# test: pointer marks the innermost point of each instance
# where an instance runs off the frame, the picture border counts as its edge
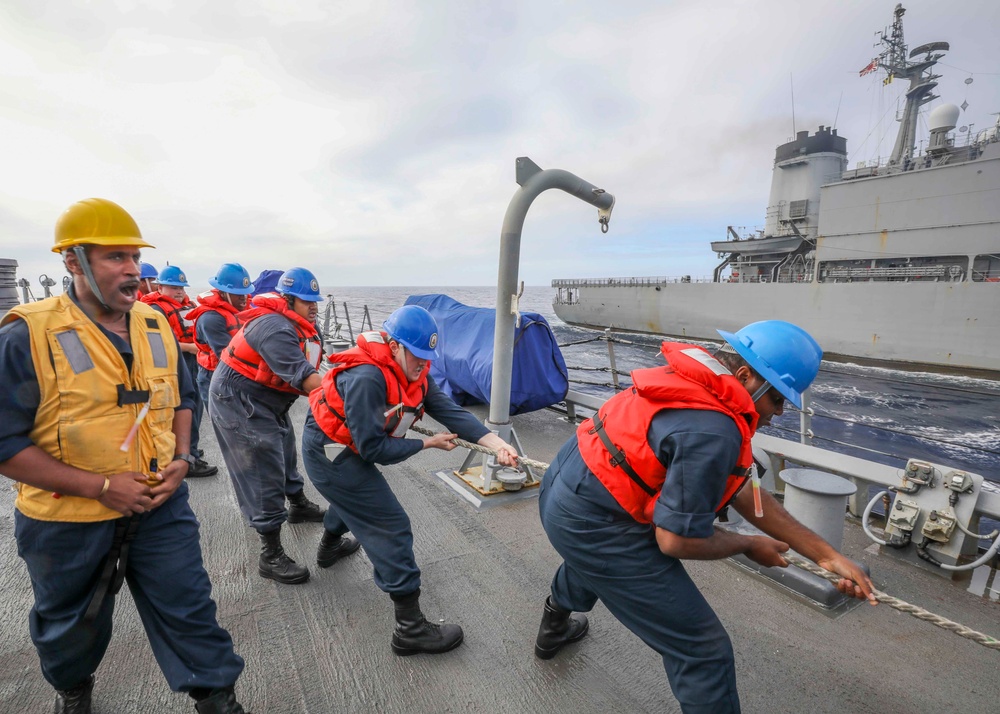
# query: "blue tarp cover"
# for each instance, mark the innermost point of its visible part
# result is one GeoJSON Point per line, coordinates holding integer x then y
{"type": "Point", "coordinates": [464, 369]}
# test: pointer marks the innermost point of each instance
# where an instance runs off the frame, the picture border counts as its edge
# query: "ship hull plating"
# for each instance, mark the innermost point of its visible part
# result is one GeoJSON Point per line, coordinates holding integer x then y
{"type": "Point", "coordinates": [950, 326]}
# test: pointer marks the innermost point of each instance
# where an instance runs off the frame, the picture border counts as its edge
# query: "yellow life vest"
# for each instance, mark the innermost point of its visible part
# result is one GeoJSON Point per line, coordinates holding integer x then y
{"type": "Point", "coordinates": [89, 400]}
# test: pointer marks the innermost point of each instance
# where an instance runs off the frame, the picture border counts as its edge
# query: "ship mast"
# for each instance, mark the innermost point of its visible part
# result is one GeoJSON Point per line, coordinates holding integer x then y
{"type": "Point", "coordinates": [897, 65]}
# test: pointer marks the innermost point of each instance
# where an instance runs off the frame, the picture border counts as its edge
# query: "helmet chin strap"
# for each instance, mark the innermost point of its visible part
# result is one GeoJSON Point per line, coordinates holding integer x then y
{"type": "Point", "coordinates": [761, 391]}
{"type": "Point", "coordinates": [81, 256]}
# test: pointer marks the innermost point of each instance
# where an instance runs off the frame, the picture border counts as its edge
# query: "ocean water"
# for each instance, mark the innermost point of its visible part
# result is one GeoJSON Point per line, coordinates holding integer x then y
{"type": "Point", "coordinates": [883, 415]}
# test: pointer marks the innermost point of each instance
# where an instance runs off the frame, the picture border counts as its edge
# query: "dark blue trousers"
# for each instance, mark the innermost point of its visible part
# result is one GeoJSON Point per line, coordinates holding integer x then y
{"type": "Point", "coordinates": [199, 405]}
{"type": "Point", "coordinates": [203, 382]}
{"type": "Point", "coordinates": [609, 556]}
{"type": "Point", "coordinates": [362, 502]}
{"type": "Point", "coordinates": [258, 446]}
{"type": "Point", "coordinates": [168, 582]}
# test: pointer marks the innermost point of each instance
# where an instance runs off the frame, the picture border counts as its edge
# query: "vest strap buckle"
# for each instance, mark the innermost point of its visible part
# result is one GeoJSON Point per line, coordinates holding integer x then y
{"type": "Point", "coordinates": [618, 458]}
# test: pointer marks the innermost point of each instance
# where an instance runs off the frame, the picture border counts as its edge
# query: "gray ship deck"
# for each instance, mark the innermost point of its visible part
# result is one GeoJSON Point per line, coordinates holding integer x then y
{"type": "Point", "coordinates": [324, 646]}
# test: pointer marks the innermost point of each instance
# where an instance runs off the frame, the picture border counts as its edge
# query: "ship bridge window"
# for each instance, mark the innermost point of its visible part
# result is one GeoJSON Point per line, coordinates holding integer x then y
{"type": "Point", "coordinates": [932, 268]}
{"type": "Point", "coordinates": [986, 268]}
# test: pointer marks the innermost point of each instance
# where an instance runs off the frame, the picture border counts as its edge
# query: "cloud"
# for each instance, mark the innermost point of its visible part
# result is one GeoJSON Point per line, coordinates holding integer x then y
{"type": "Point", "coordinates": [374, 143]}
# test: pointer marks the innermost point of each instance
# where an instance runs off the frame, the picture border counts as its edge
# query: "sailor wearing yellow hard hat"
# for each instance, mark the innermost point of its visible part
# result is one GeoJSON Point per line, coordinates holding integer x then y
{"type": "Point", "coordinates": [97, 409]}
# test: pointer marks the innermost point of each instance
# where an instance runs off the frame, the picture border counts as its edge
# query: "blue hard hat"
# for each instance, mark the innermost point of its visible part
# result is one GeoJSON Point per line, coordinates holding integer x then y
{"type": "Point", "coordinates": [232, 278]}
{"type": "Point", "coordinates": [147, 271]}
{"type": "Point", "coordinates": [414, 328]}
{"type": "Point", "coordinates": [782, 353]}
{"type": "Point", "coordinates": [301, 283]}
{"type": "Point", "coordinates": [172, 275]}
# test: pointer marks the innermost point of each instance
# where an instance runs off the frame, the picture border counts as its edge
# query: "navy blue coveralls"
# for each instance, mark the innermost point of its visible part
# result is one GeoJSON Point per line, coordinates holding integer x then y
{"type": "Point", "coordinates": [251, 422]}
{"type": "Point", "coordinates": [361, 500]}
{"type": "Point", "coordinates": [610, 556]}
{"type": "Point", "coordinates": [164, 571]}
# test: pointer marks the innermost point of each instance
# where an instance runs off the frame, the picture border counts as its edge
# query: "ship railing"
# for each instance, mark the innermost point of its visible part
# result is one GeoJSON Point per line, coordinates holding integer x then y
{"type": "Point", "coordinates": [985, 276]}
{"type": "Point", "coordinates": [332, 328]}
{"type": "Point", "coordinates": [626, 282]}
{"type": "Point", "coordinates": [570, 283]}
{"type": "Point", "coordinates": [736, 234]}
{"type": "Point", "coordinates": [795, 278]}
{"type": "Point", "coordinates": [863, 473]}
{"type": "Point", "coordinates": [784, 277]}
{"type": "Point", "coordinates": [908, 271]}
{"type": "Point", "coordinates": [956, 140]}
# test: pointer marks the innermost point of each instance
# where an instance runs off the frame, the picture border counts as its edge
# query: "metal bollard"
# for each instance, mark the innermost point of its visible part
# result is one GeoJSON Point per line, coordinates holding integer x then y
{"type": "Point", "coordinates": [818, 500]}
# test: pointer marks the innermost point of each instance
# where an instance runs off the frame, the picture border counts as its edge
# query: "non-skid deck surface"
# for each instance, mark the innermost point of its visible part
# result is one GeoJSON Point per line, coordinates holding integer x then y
{"type": "Point", "coordinates": [324, 646]}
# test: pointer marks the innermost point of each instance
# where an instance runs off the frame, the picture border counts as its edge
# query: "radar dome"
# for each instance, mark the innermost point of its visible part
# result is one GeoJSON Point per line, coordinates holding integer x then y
{"type": "Point", "coordinates": [943, 118]}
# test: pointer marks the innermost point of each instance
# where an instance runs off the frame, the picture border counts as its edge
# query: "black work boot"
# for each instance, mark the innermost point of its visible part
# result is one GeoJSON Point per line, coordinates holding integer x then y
{"type": "Point", "coordinates": [332, 548]}
{"type": "Point", "coordinates": [275, 564]}
{"type": "Point", "coordinates": [201, 469]}
{"type": "Point", "coordinates": [75, 700]}
{"type": "Point", "coordinates": [559, 627]}
{"type": "Point", "coordinates": [414, 634]}
{"type": "Point", "coordinates": [302, 510]}
{"type": "Point", "coordinates": [221, 701]}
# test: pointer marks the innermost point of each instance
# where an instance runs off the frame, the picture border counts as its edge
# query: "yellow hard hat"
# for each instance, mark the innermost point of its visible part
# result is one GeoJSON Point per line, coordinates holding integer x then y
{"type": "Point", "coordinates": [96, 221]}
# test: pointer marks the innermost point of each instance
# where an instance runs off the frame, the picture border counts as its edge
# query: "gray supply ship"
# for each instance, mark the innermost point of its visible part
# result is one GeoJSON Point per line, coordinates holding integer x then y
{"type": "Point", "coordinates": [891, 262]}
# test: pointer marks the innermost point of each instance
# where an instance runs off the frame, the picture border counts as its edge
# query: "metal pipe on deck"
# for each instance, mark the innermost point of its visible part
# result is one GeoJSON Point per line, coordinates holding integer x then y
{"type": "Point", "coordinates": [533, 181]}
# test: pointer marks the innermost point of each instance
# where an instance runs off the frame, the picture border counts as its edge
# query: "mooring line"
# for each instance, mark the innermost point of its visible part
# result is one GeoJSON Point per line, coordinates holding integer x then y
{"type": "Point", "coordinates": [540, 465]}
{"type": "Point", "coordinates": [893, 602]}
{"type": "Point", "coordinates": [903, 606]}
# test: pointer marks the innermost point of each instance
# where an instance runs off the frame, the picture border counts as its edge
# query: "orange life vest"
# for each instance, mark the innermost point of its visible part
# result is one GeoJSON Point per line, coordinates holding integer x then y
{"type": "Point", "coordinates": [244, 359]}
{"type": "Point", "coordinates": [176, 312]}
{"type": "Point", "coordinates": [629, 468]}
{"type": "Point", "coordinates": [212, 301]}
{"type": "Point", "coordinates": [404, 399]}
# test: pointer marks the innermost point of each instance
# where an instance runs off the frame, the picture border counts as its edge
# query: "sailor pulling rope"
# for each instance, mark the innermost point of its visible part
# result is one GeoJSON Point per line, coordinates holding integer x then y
{"type": "Point", "coordinates": [895, 603]}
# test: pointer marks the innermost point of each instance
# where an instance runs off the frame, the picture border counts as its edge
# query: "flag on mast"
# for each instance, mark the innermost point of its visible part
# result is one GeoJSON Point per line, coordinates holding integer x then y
{"type": "Point", "coordinates": [869, 68]}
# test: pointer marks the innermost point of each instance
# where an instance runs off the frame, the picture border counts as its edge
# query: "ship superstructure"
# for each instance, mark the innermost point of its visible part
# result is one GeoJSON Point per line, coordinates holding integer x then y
{"type": "Point", "coordinates": [893, 261]}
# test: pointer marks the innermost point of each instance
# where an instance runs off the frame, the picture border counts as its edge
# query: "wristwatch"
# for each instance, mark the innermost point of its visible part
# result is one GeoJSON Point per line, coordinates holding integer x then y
{"type": "Point", "coordinates": [186, 457]}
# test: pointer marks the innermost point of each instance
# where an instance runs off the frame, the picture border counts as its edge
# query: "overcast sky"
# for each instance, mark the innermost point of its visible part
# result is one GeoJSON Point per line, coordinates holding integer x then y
{"type": "Point", "coordinates": [374, 142]}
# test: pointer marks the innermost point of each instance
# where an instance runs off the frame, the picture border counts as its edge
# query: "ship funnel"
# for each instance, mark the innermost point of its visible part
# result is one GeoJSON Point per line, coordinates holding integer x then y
{"type": "Point", "coordinates": [942, 120]}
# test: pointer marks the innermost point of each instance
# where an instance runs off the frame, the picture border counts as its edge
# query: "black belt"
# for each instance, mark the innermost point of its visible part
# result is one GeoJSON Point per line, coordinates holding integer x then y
{"type": "Point", "coordinates": [617, 459]}
{"type": "Point", "coordinates": [113, 574]}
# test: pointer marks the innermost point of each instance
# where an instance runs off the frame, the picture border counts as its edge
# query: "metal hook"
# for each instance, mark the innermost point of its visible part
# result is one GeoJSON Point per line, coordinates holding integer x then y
{"type": "Point", "coordinates": [604, 214]}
